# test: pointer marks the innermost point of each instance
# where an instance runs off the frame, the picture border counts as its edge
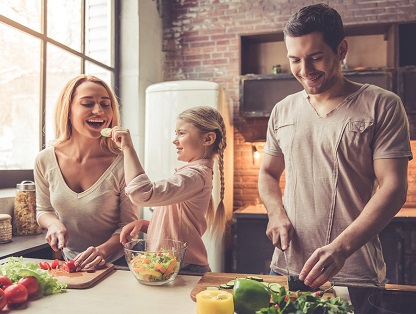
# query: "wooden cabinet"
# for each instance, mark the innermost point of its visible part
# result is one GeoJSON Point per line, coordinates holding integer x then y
{"type": "Point", "coordinates": [252, 250]}
{"type": "Point", "coordinates": [409, 268]}
{"type": "Point", "coordinates": [406, 83]}
{"type": "Point", "coordinates": [392, 243]}
{"type": "Point", "coordinates": [260, 52]}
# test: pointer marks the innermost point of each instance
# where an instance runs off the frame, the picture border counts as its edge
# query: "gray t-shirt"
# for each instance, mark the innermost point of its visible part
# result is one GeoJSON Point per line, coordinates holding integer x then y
{"type": "Point", "coordinates": [90, 217]}
{"type": "Point", "coordinates": [329, 171]}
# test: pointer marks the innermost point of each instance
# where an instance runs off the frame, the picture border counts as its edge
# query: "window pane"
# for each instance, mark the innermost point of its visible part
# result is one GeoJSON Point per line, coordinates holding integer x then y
{"type": "Point", "coordinates": [98, 31]}
{"type": "Point", "coordinates": [20, 97]}
{"type": "Point", "coordinates": [61, 67]}
{"type": "Point", "coordinates": [93, 69]}
{"type": "Point", "coordinates": [25, 12]}
{"type": "Point", "coordinates": [64, 22]}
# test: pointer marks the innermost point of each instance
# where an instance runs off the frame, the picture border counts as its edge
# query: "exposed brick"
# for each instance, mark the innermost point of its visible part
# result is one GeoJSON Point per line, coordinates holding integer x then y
{"type": "Point", "coordinates": [223, 42]}
{"type": "Point", "coordinates": [190, 39]}
{"type": "Point", "coordinates": [200, 44]}
{"type": "Point", "coordinates": [198, 57]}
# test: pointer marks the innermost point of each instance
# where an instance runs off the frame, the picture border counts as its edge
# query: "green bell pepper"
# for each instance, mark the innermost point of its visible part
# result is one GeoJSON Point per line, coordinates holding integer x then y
{"type": "Point", "coordinates": [250, 296]}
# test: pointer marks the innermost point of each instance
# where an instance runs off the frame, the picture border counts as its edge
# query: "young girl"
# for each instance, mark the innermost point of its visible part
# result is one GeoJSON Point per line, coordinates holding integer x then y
{"type": "Point", "coordinates": [185, 208]}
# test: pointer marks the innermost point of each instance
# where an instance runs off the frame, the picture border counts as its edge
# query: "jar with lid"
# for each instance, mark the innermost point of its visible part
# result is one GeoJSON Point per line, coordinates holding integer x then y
{"type": "Point", "coordinates": [25, 209]}
{"type": "Point", "coordinates": [276, 69]}
{"type": "Point", "coordinates": [5, 228]}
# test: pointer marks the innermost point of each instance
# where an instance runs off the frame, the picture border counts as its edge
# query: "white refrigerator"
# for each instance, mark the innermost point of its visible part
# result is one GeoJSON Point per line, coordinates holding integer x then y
{"type": "Point", "coordinates": [164, 101]}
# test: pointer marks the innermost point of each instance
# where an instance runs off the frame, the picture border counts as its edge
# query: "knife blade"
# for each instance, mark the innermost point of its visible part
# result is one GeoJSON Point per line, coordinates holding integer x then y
{"type": "Point", "coordinates": [63, 255]}
{"type": "Point", "coordinates": [287, 265]}
{"type": "Point", "coordinates": [357, 285]}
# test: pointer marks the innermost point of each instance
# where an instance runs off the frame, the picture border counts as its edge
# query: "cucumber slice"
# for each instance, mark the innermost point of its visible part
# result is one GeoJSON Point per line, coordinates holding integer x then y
{"type": "Point", "coordinates": [255, 278]}
{"type": "Point", "coordinates": [106, 132]}
{"type": "Point", "coordinates": [231, 283]}
{"type": "Point", "coordinates": [225, 286]}
{"type": "Point", "coordinates": [275, 287]}
{"type": "Point", "coordinates": [212, 288]}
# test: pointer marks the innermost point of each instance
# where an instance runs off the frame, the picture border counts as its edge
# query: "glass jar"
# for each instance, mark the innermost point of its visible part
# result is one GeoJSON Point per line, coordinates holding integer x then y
{"type": "Point", "coordinates": [5, 228]}
{"type": "Point", "coordinates": [276, 69]}
{"type": "Point", "coordinates": [25, 209]}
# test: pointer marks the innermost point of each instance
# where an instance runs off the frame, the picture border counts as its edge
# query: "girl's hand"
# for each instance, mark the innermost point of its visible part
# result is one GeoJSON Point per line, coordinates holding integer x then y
{"type": "Point", "coordinates": [90, 258]}
{"type": "Point", "coordinates": [121, 137]}
{"type": "Point", "coordinates": [57, 235]}
{"type": "Point", "coordinates": [131, 230]}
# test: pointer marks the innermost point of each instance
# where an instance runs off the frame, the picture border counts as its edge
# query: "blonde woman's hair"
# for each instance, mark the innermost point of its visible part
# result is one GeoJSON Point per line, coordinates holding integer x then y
{"type": "Point", "coordinates": [63, 126]}
{"type": "Point", "coordinates": [208, 119]}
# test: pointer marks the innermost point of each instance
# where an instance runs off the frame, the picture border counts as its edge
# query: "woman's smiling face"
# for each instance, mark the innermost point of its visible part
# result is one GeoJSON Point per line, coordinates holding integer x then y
{"type": "Point", "coordinates": [90, 109]}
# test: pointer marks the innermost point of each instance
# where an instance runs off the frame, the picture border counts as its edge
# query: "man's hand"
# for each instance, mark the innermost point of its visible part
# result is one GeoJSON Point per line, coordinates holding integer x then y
{"type": "Point", "coordinates": [323, 264]}
{"type": "Point", "coordinates": [279, 230]}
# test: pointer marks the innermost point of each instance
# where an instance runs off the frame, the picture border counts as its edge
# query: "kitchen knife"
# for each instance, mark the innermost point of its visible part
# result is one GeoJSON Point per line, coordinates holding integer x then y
{"type": "Point", "coordinates": [357, 285]}
{"type": "Point", "coordinates": [287, 265]}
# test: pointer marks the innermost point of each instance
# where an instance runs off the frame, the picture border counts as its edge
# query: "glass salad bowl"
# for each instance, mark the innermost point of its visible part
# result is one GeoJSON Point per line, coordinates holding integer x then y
{"type": "Point", "coordinates": [156, 264]}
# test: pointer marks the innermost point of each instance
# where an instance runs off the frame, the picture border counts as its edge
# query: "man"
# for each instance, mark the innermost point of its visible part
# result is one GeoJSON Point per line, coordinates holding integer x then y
{"type": "Point", "coordinates": [344, 148]}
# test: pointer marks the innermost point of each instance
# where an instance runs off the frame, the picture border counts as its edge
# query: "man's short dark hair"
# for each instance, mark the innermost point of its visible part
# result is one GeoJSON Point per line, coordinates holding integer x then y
{"type": "Point", "coordinates": [317, 18]}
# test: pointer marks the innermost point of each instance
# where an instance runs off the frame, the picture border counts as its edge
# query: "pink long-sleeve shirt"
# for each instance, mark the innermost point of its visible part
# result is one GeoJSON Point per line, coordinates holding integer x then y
{"type": "Point", "coordinates": [182, 201]}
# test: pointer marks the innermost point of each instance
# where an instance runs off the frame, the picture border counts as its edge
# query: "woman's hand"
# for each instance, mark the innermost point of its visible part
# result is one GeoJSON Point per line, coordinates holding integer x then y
{"type": "Point", "coordinates": [56, 235]}
{"type": "Point", "coordinates": [131, 230]}
{"type": "Point", "coordinates": [90, 258]}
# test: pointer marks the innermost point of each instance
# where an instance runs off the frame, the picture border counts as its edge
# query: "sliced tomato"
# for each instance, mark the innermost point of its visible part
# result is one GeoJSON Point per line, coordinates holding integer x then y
{"type": "Point", "coordinates": [45, 265]}
{"type": "Point", "coordinates": [56, 264]}
{"type": "Point", "coordinates": [69, 266]}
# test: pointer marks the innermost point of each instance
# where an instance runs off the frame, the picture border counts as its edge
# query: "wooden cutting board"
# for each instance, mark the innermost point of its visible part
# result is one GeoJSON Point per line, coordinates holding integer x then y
{"type": "Point", "coordinates": [215, 279]}
{"type": "Point", "coordinates": [82, 279]}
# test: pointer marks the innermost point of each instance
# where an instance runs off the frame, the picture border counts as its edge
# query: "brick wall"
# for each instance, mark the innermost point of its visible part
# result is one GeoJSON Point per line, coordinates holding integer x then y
{"type": "Point", "coordinates": [201, 42]}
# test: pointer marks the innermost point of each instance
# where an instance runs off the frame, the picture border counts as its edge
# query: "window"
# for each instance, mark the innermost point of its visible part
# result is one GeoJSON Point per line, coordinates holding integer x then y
{"type": "Point", "coordinates": [43, 44]}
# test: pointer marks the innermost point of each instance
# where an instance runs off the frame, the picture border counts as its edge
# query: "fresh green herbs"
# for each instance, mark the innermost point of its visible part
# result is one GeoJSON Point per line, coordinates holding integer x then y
{"type": "Point", "coordinates": [286, 302]}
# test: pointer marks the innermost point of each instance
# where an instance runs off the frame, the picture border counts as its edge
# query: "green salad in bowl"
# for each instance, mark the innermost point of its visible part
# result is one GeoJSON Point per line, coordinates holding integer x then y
{"type": "Point", "coordinates": [154, 264]}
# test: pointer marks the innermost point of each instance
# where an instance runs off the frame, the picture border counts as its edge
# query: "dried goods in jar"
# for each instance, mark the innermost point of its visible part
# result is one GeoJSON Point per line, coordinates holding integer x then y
{"type": "Point", "coordinates": [25, 209]}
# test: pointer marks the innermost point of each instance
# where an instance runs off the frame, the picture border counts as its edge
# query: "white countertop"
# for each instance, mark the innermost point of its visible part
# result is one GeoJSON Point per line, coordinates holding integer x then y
{"type": "Point", "coordinates": [120, 292]}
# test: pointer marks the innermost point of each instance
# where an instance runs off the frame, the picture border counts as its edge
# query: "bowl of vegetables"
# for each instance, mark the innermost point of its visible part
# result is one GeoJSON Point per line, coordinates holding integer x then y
{"type": "Point", "coordinates": [155, 263]}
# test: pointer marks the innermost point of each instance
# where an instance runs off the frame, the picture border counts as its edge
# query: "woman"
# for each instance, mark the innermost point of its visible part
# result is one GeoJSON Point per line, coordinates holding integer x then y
{"type": "Point", "coordinates": [80, 179]}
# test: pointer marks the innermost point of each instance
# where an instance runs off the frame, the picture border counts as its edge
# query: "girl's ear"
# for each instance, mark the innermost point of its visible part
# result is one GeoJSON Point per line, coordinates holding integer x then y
{"type": "Point", "coordinates": [209, 138]}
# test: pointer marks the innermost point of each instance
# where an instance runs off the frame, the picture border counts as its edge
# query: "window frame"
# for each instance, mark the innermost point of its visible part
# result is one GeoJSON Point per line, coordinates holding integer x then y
{"type": "Point", "coordinates": [9, 178]}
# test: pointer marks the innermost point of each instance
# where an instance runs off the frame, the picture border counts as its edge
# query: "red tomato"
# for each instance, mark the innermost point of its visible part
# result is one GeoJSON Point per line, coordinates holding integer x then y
{"type": "Point", "coordinates": [69, 266]}
{"type": "Point", "coordinates": [3, 300]}
{"type": "Point", "coordinates": [31, 284]}
{"type": "Point", "coordinates": [16, 294]}
{"type": "Point", "coordinates": [45, 266]}
{"type": "Point", "coordinates": [55, 264]}
{"type": "Point", "coordinates": [4, 282]}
